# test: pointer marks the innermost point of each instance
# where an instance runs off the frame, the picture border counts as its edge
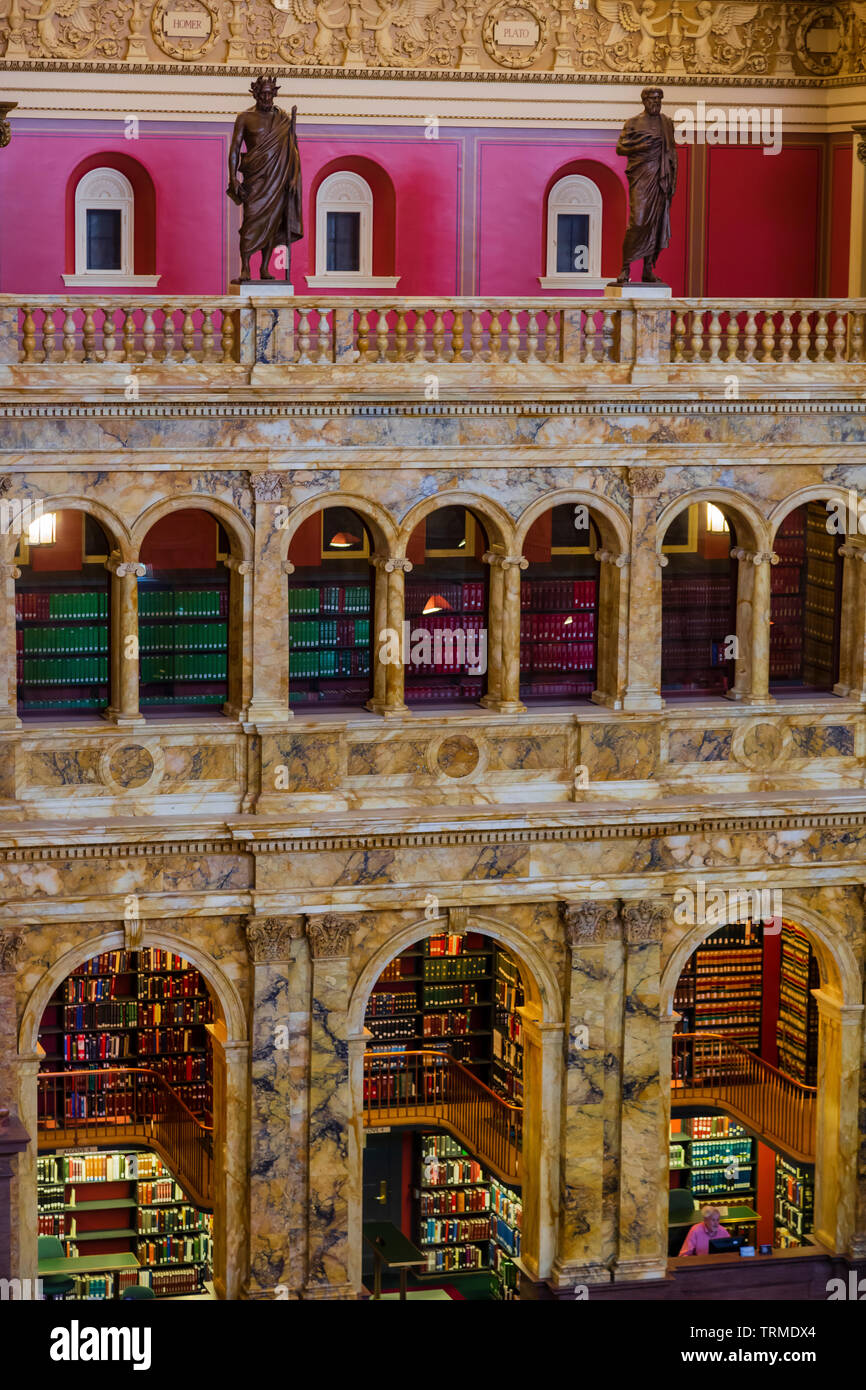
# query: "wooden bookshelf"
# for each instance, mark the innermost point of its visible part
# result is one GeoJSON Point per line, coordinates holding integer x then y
{"type": "Point", "coordinates": [797, 1027]}
{"type": "Point", "coordinates": [558, 636]}
{"type": "Point", "coordinates": [804, 601]}
{"type": "Point", "coordinates": [110, 1203]}
{"type": "Point", "coordinates": [183, 640]}
{"type": "Point", "coordinates": [507, 1064]}
{"type": "Point", "coordinates": [794, 1203]}
{"type": "Point", "coordinates": [61, 638]}
{"type": "Point", "coordinates": [717, 1159]}
{"type": "Point", "coordinates": [467, 1220]}
{"type": "Point", "coordinates": [728, 989]}
{"type": "Point", "coordinates": [330, 638]}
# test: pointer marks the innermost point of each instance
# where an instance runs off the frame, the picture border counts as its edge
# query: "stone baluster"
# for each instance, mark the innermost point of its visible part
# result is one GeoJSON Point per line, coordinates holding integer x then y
{"type": "Point", "coordinates": [552, 349]}
{"type": "Point", "coordinates": [457, 336]}
{"type": "Point", "coordinates": [855, 347]}
{"type": "Point", "coordinates": [644, 601]}
{"type": "Point", "coordinates": [714, 337]}
{"type": "Point", "coordinates": [495, 336]}
{"type": "Point", "coordinates": [388, 635]}
{"type": "Point", "coordinates": [840, 336]}
{"type": "Point", "coordinates": [513, 338]}
{"type": "Point", "coordinates": [123, 640]}
{"type": "Point", "coordinates": [752, 665]}
{"type": "Point", "coordinates": [109, 334]}
{"type": "Point", "coordinates": [207, 336]}
{"type": "Point", "coordinates": [804, 336]}
{"type": "Point", "coordinates": [697, 338]}
{"type": "Point", "coordinates": [591, 1093]}
{"type": "Point", "coordinates": [280, 979]}
{"type": "Point", "coordinates": [438, 336]}
{"type": "Point", "coordinates": [589, 337]}
{"type": "Point", "coordinates": [188, 335]}
{"type": "Point", "coordinates": [852, 645]}
{"type": "Point", "coordinates": [785, 337]}
{"type": "Point", "coordinates": [401, 334]}
{"type": "Point", "coordinates": [363, 334]}
{"type": "Point", "coordinates": [88, 334]}
{"type": "Point", "coordinates": [503, 683]}
{"type": "Point", "coordinates": [129, 334]}
{"type": "Point", "coordinates": [28, 334]}
{"type": "Point", "coordinates": [148, 336]}
{"type": "Point", "coordinates": [9, 572]}
{"type": "Point", "coordinates": [382, 335]}
{"type": "Point", "coordinates": [532, 336]}
{"type": "Point", "coordinates": [611, 621]}
{"type": "Point", "coordinates": [240, 617]}
{"type": "Point", "coordinates": [68, 333]}
{"type": "Point", "coordinates": [644, 1111]}
{"type": "Point", "coordinates": [821, 337]}
{"type": "Point", "coordinates": [679, 336]}
{"type": "Point", "coordinates": [419, 345]}
{"type": "Point", "coordinates": [227, 335]}
{"type": "Point", "coordinates": [750, 335]}
{"type": "Point", "coordinates": [304, 338]}
{"type": "Point", "coordinates": [168, 335]}
{"type": "Point", "coordinates": [330, 938]}
{"type": "Point", "coordinates": [476, 335]}
{"type": "Point", "coordinates": [732, 336]}
{"type": "Point", "coordinates": [768, 338]}
{"type": "Point", "coordinates": [270, 608]}
{"type": "Point", "coordinates": [49, 334]}
{"type": "Point", "coordinates": [323, 335]}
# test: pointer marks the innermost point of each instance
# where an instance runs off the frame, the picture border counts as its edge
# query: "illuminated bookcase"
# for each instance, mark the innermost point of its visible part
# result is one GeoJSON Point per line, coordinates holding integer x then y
{"type": "Point", "coordinates": [183, 641]}
{"type": "Point", "coordinates": [467, 1219]}
{"type": "Point", "coordinates": [559, 607]}
{"type": "Point", "coordinates": [507, 1065]}
{"type": "Point", "coordinates": [804, 600]}
{"type": "Point", "coordinates": [331, 612]}
{"type": "Point", "coordinates": [699, 600]}
{"type": "Point", "coordinates": [797, 1027]}
{"type": "Point", "coordinates": [117, 1201]}
{"type": "Point", "coordinates": [794, 1203]}
{"type": "Point", "coordinates": [446, 609]}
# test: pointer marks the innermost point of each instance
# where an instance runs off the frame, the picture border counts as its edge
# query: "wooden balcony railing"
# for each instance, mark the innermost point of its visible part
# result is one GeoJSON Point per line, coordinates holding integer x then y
{"type": "Point", "coordinates": [429, 1086]}
{"type": "Point", "coordinates": [127, 1104]}
{"type": "Point", "coordinates": [198, 340]}
{"type": "Point", "coordinates": [709, 1067]}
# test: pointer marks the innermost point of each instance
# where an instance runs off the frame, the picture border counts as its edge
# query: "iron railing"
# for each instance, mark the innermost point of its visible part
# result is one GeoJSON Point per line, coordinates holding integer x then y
{"type": "Point", "coordinates": [405, 1087]}
{"type": "Point", "coordinates": [133, 1103]}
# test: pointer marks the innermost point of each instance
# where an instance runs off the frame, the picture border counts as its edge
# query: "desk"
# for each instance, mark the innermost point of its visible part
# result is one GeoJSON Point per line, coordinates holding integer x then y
{"type": "Point", "coordinates": [87, 1264]}
{"type": "Point", "coordinates": [392, 1248]}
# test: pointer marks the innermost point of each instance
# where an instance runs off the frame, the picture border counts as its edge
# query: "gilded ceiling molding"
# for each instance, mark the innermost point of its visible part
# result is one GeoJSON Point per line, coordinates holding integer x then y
{"type": "Point", "coordinates": [590, 923]}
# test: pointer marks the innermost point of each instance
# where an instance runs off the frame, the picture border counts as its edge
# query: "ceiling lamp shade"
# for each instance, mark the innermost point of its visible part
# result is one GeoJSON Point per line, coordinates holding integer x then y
{"type": "Point", "coordinates": [435, 604]}
{"type": "Point", "coordinates": [344, 540]}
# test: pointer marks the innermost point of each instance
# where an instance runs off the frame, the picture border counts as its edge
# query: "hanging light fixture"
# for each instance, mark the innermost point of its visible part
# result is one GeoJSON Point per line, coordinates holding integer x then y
{"type": "Point", "coordinates": [435, 604]}
{"type": "Point", "coordinates": [43, 529]}
{"type": "Point", "coordinates": [715, 519]}
{"type": "Point", "coordinates": [343, 540]}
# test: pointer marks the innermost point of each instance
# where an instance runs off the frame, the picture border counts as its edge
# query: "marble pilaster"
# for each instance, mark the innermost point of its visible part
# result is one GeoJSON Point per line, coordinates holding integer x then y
{"type": "Point", "coordinates": [389, 609]}
{"type": "Point", "coordinates": [495, 603]}
{"type": "Point", "coordinates": [270, 608]}
{"type": "Point", "coordinates": [542, 1084]}
{"type": "Point", "coordinates": [123, 706]}
{"type": "Point", "coordinates": [644, 595]}
{"type": "Point", "coordinates": [643, 1214]}
{"type": "Point", "coordinates": [840, 1211]}
{"type": "Point", "coordinates": [329, 1263]}
{"type": "Point", "coordinates": [231, 1165]}
{"type": "Point", "coordinates": [857, 243]}
{"type": "Point", "coordinates": [590, 1092]}
{"type": "Point", "coordinates": [278, 1061]}
{"type": "Point", "coordinates": [8, 663]}
{"type": "Point", "coordinates": [505, 639]}
{"type": "Point", "coordinates": [10, 947]}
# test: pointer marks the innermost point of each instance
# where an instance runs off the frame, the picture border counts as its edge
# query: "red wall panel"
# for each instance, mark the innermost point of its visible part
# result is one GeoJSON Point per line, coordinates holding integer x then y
{"type": "Point", "coordinates": [184, 540]}
{"type": "Point", "coordinates": [762, 221]}
{"type": "Point", "coordinates": [840, 219]}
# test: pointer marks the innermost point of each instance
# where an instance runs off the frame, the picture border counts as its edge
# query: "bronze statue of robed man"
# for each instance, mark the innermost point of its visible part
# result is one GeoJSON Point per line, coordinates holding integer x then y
{"type": "Point", "coordinates": [647, 141]}
{"type": "Point", "coordinates": [270, 193]}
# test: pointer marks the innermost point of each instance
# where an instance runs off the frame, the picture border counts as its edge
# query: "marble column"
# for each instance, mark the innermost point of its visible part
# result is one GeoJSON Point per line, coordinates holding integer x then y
{"type": "Point", "coordinates": [389, 610]}
{"type": "Point", "coordinates": [10, 946]}
{"type": "Point", "coordinates": [8, 659]}
{"type": "Point", "coordinates": [123, 641]}
{"type": "Point", "coordinates": [331, 1193]}
{"type": "Point", "coordinates": [590, 1094]}
{"type": "Point", "coordinates": [279, 1037]}
{"type": "Point", "coordinates": [240, 673]}
{"type": "Point", "coordinates": [495, 602]}
{"type": "Point", "coordinates": [840, 1211]}
{"type": "Point", "coordinates": [644, 1130]}
{"type": "Point", "coordinates": [230, 1161]}
{"type": "Point", "coordinates": [752, 669]}
{"type": "Point", "coordinates": [25, 1180]}
{"type": "Point", "coordinates": [612, 619]}
{"type": "Point", "coordinates": [270, 608]}
{"type": "Point", "coordinates": [542, 1088]}
{"type": "Point", "coordinates": [852, 646]}
{"type": "Point", "coordinates": [643, 689]}
{"type": "Point", "coordinates": [857, 244]}
{"type": "Point", "coordinates": [507, 642]}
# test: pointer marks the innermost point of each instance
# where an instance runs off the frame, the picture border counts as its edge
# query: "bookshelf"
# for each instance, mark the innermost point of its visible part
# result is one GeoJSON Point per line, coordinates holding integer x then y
{"type": "Point", "coordinates": [102, 1202]}
{"type": "Point", "coordinates": [804, 600]}
{"type": "Point", "coordinates": [728, 990]}
{"type": "Point", "coordinates": [507, 1063]}
{"type": "Point", "coordinates": [698, 613]}
{"type": "Point", "coordinates": [716, 1158]}
{"type": "Point", "coordinates": [436, 671]}
{"type": "Point", "coordinates": [61, 641]}
{"type": "Point", "coordinates": [143, 1008]}
{"type": "Point", "coordinates": [330, 629]}
{"type": "Point", "coordinates": [557, 638]}
{"type": "Point", "coordinates": [797, 1027]}
{"type": "Point", "coordinates": [794, 1203]}
{"type": "Point", "coordinates": [467, 1219]}
{"type": "Point", "coordinates": [183, 640]}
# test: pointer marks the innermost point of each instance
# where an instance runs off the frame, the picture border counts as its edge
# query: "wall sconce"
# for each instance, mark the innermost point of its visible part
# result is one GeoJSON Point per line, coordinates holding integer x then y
{"type": "Point", "coordinates": [435, 604]}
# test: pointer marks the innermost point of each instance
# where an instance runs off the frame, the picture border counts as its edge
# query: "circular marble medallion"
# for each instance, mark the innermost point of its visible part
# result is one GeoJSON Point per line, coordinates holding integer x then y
{"type": "Point", "coordinates": [458, 756]}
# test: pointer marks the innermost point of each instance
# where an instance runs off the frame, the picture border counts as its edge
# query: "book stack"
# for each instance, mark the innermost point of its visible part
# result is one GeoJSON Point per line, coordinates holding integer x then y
{"type": "Point", "coordinates": [794, 1201]}
{"type": "Point", "coordinates": [183, 654]}
{"type": "Point", "coordinates": [557, 637]}
{"type": "Point", "coordinates": [797, 1026]}
{"type": "Point", "coordinates": [330, 660]}
{"type": "Point", "coordinates": [62, 646]}
{"type": "Point", "coordinates": [820, 615]}
{"type": "Point", "coordinates": [507, 1067]}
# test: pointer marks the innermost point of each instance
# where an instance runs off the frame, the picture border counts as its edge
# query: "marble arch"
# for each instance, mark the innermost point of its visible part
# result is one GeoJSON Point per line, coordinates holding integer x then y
{"type": "Point", "coordinates": [118, 534]}
{"type": "Point", "coordinates": [755, 534]}
{"type": "Point", "coordinates": [498, 524]}
{"type": "Point", "coordinates": [380, 521]}
{"type": "Point", "coordinates": [238, 529]}
{"type": "Point", "coordinates": [612, 522]}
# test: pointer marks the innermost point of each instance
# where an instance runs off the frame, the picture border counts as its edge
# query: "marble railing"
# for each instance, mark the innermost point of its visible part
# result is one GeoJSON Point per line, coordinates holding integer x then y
{"type": "Point", "coordinates": [172, 338]}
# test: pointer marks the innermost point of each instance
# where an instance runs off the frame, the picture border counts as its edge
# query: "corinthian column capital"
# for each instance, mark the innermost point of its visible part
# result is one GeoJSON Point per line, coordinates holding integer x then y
{"type": "Point", "coordinates": [270, 939]}
{"type": "Point", "coordinates": [10, 944]}
{"type": "Point", "coordinates": [330, 936]}
{"type": "Point", "coordinates": [588, 923]}
{"type": "Point", "coordinates": [644, 921]}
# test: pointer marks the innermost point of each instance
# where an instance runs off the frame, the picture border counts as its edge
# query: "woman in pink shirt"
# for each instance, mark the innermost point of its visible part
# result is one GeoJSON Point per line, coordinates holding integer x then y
{"type": "Point", "coordinates": [697, 1242]}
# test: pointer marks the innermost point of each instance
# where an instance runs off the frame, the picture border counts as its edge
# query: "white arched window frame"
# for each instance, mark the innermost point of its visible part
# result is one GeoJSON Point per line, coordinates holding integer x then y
{"type": "Point", "coordinates": [574, 195]}
{"type": "Point", "coordinates": [344, 191]}
{"type": "Point", "coordinates": [102, 190]}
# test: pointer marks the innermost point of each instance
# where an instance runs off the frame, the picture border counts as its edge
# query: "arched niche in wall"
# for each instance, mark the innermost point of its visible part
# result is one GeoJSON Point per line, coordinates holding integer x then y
{"type": "Point", "coordinates": [806, 599]}
{"type": "Point", "coordinates": [447, 593]}
{"type": "Point", "coordinates": [110, 224]}
{"type": "Point", "coordinates": [583, 223]}
{"type": "Point", "coordinates": [353, 217]}
{"type": "Point", "coordinates": [699, 602]}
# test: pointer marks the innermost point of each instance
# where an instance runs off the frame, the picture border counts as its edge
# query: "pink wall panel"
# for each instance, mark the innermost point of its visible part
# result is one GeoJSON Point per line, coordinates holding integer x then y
{"type": "Point", "coordinates": [762, 221]}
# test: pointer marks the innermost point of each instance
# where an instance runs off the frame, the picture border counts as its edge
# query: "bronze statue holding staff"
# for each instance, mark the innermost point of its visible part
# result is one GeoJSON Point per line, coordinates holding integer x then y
{"type": "Point", "coordinates": [647, 141]}
{"type": "Point", "coordinates": [270, 193]}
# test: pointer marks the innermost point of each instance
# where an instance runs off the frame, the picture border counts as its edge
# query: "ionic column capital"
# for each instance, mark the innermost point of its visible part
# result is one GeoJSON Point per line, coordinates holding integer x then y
{"type": "Point", "coordinates": [505, 561]}
{"type": "Point", "coordinates": [287, 567]}
{"type": "Point", "coordinates": [392, 564]}
{"type": "Point", "coordinates": [754, 557]}
{"type": "Point", "coordinates": [125, 569]}
{"type": "Point", "coordinates": [644, 921]}
{"type": "Point", "coordinates": [589, 923]}
{"type": "Point", "coordinates": [853, 552]}
{"type": "Point", "coordinates": [330, 936]}
{"type": "Point", "coordinates": [661, 560]}
{"type": "Point", "coordinates": [609, 557]}
{"type": "Point", "coordinates": [9, 571]}
{"type": "Point", "coordinates": [231, 562]}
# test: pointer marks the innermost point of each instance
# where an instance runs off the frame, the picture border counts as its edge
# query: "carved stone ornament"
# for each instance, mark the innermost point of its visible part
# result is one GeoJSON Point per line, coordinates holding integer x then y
{"type": "Point", "coordinates": [644, 921]}
{"type": "Point", "coordinates": [754, 557]}
{"type": "Point", "coordinates": [861, 149]}
{"type": "Point", "coordinates": [267, 487]}
{"type": "Point", "coordinates": [185, 29]}
{"type": "Point", "coordinates": [243, 567]}
{"type": "Point", "coordinates": [504, 562]}
{"type": "Point", "coordinates": [330, 936]}
{"type": "Point", "coordinates": [458, 921]}
{"type": "Point", "coordinates": [514, 34]}
{"type": "Point", "coordinates": [610, 557]}
{"type": "Point", "coordinates": [645, 481]}
{"type": "Point", "coordinates": [125, 569]}
{"type": "Point", "coordinates": [589, 923]}
{"type": "Point", "coordinates": [270, 938]}
{"type": "Point", "coordinates": [392, 564]}
{"type": "Point", "coordinates": [5, 484]}
{"type": "Point", "coordinates": [10, 945]}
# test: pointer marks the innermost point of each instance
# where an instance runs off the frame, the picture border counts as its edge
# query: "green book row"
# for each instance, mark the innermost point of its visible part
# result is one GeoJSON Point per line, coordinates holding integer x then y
{"type": "Point", "coordinates": [179, 603]}
{"type": "Point", "coordinates": [329, 663]}
{"type": "Point", "coordinates": [179, 666]}
{"type": "Point", "coordinates": [199, 637]}
{"type": "Point", "coordinates": [84, 605]}
{"type": "Point", "coordinates": [182, 700]}
{"type": "Point", "coordinates": [83, 670]}
{"type": "Point", "coordinates": [39, 641]}
{"type": "Point", "coordinates": [330, 598]}
{"type": "Point", "coordinates": [62, 704]}
{"type": "Point", "coordinates": [324, 633]}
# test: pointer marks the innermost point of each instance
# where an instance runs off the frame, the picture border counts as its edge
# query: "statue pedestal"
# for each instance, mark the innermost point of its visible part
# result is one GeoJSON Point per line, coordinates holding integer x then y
{"type": "Point", "coordinates": [265, 289]}
{"type": "Point", "coordinates": [637, 290]}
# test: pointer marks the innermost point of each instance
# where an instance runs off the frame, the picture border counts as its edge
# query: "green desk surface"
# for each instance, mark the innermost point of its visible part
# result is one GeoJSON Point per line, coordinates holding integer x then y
{"type": "Point", "coordinates": [395, 1248]}
{"type": "Point", "coordinates": [736, 1215]}
{"type": "Point", "coordinates": [87, 1264]}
